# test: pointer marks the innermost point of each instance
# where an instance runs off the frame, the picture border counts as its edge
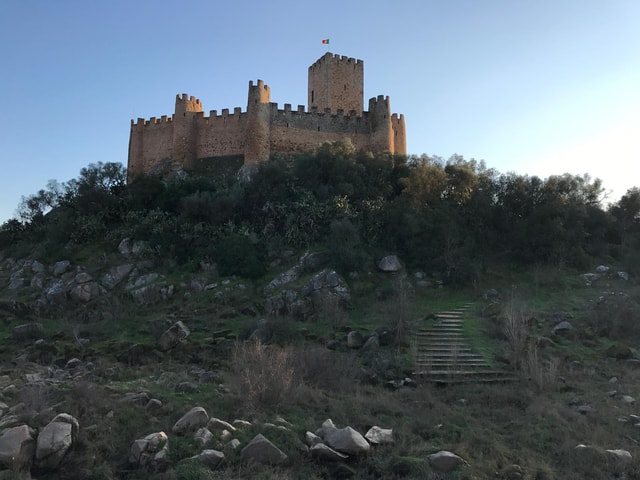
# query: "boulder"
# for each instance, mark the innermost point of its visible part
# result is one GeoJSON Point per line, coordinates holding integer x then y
{"type": "Point", "coordinates": [562, 327]}
{"type": "Point", "coordinates": [85, 291]}
{"type": "Point", "coordinates": [173, 336]}
{"type": "Point", "coordinates": [28, 331]}
{"type": "Point", "coordinates": [602, 269]}
{"type": "Point", "coordinates": [56, 293]}
{"type": "Point", "coordinates": [203, 436]}
{"type": "Point", "coordinates": [345, 440]}
{"type": "Point", "coordinates": [619, 351]}
{"type": "Point", "coordinates": [372, 344]}
{"type": "Point", "coordinates": [622, 275]}
{"type": "Point", "coordinates": [150, 450]}
{"type": "Point", "coordinates": [61, 267]}
{"type": "Point", "coordinates": [622, 455]}
{"type": "Point", "coordinates": [116, 275]}
{"type": "Point", "coordinates": [17, 445]}
{"type": "Point", "coordinates": [354, 339]}
{"type": "Point", "coordinates": [311, 439]}
{"type": "Point", "coordinates": [191, 421]}
{"type": "Point", "coordinates": [323, 453]}
{"type": "Point", "coordinates": [390, 263]}
{"type": "Point", "coordinates": [379, 435]}
{"type": "Point", "coordinates": [445, 461]}
{"type": "Point", "coordinates": [211, 459]}
{"type": "Point", "coordinates": [37, 267]}
{"type": "Point", "coordinates": [124, 247]}
{"type": "Point", "coordinates": [54, 440]}
{"type": "Point", "coordinates": [217, 424]}
{"type": "Point", "coordinates": [261, 450]}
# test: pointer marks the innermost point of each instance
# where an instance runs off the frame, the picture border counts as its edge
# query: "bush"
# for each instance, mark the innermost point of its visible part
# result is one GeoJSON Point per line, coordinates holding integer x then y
{"type": "Point", "coordinates": [264, 374]}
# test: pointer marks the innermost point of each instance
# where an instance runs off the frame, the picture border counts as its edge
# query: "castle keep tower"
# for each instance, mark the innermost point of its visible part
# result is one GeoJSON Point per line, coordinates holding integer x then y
{"type": "Point", "coordinates": [336, 83]}
{"type": "Point", "coordinates": [190, 140]}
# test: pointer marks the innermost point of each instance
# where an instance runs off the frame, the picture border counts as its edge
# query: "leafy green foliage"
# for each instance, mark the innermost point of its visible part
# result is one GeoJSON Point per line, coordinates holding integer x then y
{"type": "Point", "coordinates": [449, 217]}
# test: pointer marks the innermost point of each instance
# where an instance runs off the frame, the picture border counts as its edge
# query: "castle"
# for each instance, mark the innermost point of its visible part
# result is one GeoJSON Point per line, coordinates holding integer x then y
{"type": "Point", "coordinates": [335, 112]}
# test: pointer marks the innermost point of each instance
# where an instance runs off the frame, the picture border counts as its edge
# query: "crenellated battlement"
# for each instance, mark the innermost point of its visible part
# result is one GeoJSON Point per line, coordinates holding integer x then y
{"type": "Point", "coordinates": [337, 59]}
{"type": "Point", "coordinates": [335, 111]}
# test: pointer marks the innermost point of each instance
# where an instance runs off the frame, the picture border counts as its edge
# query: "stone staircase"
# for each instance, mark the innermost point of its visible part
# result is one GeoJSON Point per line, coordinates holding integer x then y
{"type": "Point", "coordinates": [443, 354]}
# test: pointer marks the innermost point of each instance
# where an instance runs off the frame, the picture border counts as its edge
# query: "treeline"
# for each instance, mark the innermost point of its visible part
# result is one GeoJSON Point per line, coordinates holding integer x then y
{"type": "Point", "coordinates": [450, 218]}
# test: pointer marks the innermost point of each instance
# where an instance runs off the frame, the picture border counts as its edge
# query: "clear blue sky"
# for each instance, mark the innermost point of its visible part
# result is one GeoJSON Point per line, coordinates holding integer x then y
{"type": "Point", "coordinates": [537, 87]}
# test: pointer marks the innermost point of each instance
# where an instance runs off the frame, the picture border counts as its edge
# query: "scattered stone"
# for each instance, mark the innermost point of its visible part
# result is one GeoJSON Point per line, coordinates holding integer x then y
{"type": "Point", "coordinates": [234, 443]}
{"type": "Point", "coordinates": [153, 404]}
{"type": "Point", "coordinates": [150, 450]}
{"type": "Point", "coordinates": [622, 455]}
{"type": "Point", "coordinates": [312, 439]}
{"type": "Point", "coordinates": [28, 331]}
{"type": "Point", "coordinates": [217, 424]}
{"type": "Point", "coordinates": [623, 275]}
{"type": "Point", "coordinates": [379, 435]}
{"type": "Point", "coordinates": [140, 398]}
{"type": "Point", "coordinates": [185, 387]}
{"type": "Point", "coordinates": [602, 269]}
{"type": "Point", "coordinates": [345, 440]}
{"type": "Point", "coordinates": [627, 399]}
{"type": "Point", "coordinates": [242, 423]}
{"type": "Point", "coordinates": [262, 450]}
{"type": "Point", "coordinates": [17, 445]}
{"type": "Point", "coordinates": [619, 351]}
{"type": "Point", "coordinates": [445, 461]}
{"type": "Point", "coordinates": [61, 267]}
{"type": "Point", "coordinates": [211, 459]}
{"type": "Point", "coordinates": [172, 337]}
{"type": "Point", "coordinates": [562, 327]}
{"type": "Point", "coordinates": [202, 436]}
{"type": "Point", "coordinates": [116, 275]}
{"type": "Point", "coordinates": [124, 247]}
{"type": "Point", "coordinates": [191, 421]}
{"type": "Point", "coordinates": [390, 263]}
{"type": "Point", "coordinates": [54, 440]}
{"type": "Point", "coordinates": [354, 339]}
{"type": "Point", "coordinates": [584, 409]}
{"type": "Point", "coordinates": [372, 344]}
{"type": "Point", "coordinates": [323, 453]}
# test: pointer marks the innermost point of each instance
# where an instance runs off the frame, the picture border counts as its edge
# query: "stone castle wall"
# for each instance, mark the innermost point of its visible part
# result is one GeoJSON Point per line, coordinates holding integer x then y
{"type": "Point", "coordinates": [188, 136]}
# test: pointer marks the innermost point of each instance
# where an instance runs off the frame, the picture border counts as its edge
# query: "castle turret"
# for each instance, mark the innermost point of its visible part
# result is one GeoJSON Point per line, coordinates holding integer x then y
{"type": "Point", "coordinates": [257, 143]}
{"type": "Point", "coordinates": [336, 83]}
{"type": "Point", "coordinates": [185, 132]}
{"type": "Point", "coordinates": [380, 121]}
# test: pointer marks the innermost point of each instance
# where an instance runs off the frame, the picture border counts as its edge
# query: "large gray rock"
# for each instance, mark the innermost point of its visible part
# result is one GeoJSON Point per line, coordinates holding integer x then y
{"type": "Point", "coordinates": [379, 435]}
{"type": "Point", "coordinates": [203, 436]}
{"type": "Point", "coordinates": [323, 453]}
{"type": "Point", "coordinates": [191, 421]}
{"type": "Point", "coordinates": [354, 339]}
{"type": "Point", "coordinates": [445, 461]}
{"type": "Point", "coordinates": [85, 290]}
{"type": "Point", "coordinates": [28, 331]}
{"type": "Point", "coordinates": [116, 275]}
{"type": "Point", "coordinates": [173, 336]}
{"type": "Point", "coordinates": [620, 455]}
{"type": "Point", "coordinates": [345, 440]}
{"type": "Point", "coordinates": [61, 267]}
{"type": "Point", "coordinates": [54, 440]}
{"type": "Point", "coordinates": [17, 445]}
{"type": "Point", "coordinates": [390, 263]}
{"type": "Point", "coordinates": [217, 424]}
{"type": "Point", "coordinates": [150, 450]}
{"type": "Point", "coordinates": [211, 459]}
{"type": "Point", "coordinates": [261, 450]}
{"type": "Point", "coordinates": [56, 293]}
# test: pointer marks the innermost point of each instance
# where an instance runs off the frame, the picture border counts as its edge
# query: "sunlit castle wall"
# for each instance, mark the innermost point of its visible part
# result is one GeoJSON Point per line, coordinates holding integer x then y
{"type": "Point", "coordinates": [335, 113]}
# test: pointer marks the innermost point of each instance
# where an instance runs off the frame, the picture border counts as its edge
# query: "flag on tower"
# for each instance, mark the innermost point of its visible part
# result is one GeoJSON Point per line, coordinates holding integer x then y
{"type": "Point", "coordinates": [325, 41]}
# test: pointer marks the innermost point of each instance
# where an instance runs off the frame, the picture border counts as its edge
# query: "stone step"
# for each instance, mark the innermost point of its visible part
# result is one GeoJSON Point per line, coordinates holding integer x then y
{"type": "Point", "coordinates": [465, 372]}
{"type": "Point", "coordinates": [443, 355]}
{"type": "Point", "coordinates": [449, 366]}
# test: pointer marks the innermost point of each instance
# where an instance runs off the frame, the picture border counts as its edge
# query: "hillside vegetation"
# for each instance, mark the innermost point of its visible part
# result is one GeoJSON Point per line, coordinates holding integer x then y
{"type": "Point", "coordinates": [126, 306]}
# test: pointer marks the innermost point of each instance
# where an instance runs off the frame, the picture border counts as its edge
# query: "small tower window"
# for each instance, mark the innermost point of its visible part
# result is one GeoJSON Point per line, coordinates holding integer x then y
{"type": "Point", "coordinates": [312, 95]}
